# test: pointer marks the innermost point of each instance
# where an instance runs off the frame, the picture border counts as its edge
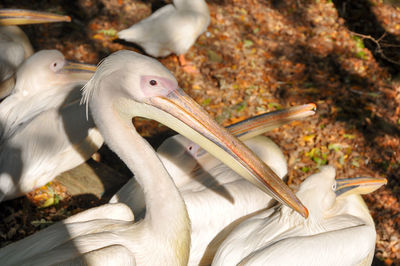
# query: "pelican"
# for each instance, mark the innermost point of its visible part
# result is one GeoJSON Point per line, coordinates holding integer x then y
{"type": "Point", "coordinates": [43, 128]}
{"type": "Point", "coordinates": [43, 81]}
{"type": "Point", "coordinates": [126, 85]}
{"type": "Point", "coordinates": [14, 44]}
{"type": "Point", "coordinates": [339, 230]}
{"type": "Point", "coordinates": [171, 29]}
{"type": "Point", "coordinates": [214, 195]}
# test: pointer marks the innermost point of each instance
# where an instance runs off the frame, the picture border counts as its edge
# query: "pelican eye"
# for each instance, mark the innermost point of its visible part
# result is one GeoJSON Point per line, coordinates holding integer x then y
{"type": "Point", "coordinates": [334, 186]}
{"type": "Point", "coordinates": [56, 65]}
{"type": "Point", "coordinates": [153, 82]}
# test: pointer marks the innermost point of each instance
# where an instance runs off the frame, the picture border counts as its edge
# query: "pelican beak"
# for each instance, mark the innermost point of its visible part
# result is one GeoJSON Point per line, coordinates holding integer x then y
{"type": "Point", "coordinates": [80, 67]}
{"type": "Point", "coordinates": [21, 17]}
{"type": "Point", "coordinates": [181, 113]}
{"type": "Point", "coordinates": [78, 71]}
{"type": "Point", "coordinates": [260, 124]}
{"type": "Point", "coordinates": [358, 185]}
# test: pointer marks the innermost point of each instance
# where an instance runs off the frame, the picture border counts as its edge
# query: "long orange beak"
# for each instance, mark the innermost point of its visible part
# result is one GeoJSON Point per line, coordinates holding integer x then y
{"type": "Point", "coordinates": [181, 113]}
{"type": "Point", "coordinates": [10, 17]}
{"type": "Point", "coordinates": [260, 124]}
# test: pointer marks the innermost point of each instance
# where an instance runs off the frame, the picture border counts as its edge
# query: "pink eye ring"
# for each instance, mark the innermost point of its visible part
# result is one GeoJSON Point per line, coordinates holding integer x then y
{"type": "Point", "coordinates": [153, 82]}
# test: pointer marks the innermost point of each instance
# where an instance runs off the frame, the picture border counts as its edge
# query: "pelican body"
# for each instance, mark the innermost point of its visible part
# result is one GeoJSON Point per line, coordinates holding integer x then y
{"type": "Point", "coordinates": [215, 196]}
{"type": "Point", "coordinates": [124, 86]}
{"type": "Point", "coordinates": [338, 231]}
{"type": "Point", "coordinates": [43, 128]}
{"type": "Point", "coordinates": [14, 44]}
{"type": "Point", "coordinates": [171, 29]}
{"type": "Point", "coordinates": [14, 49]}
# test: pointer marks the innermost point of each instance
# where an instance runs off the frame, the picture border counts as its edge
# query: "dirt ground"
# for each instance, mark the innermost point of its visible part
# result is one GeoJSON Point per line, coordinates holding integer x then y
{"type": "Point", "coordinates": [258, 56]}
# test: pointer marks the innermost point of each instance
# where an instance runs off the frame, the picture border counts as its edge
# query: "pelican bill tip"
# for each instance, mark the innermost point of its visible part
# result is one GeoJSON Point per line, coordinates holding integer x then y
{"type": "Point", "coordinates": [305, 212]}
{"type": "Point", "coordinates": [301, 209]}
{"type": "Point", "coordinates": [313, 107]}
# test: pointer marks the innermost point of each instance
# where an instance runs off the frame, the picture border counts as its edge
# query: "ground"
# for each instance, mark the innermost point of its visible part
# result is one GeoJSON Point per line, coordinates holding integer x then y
{"type": "Point", "coordinates": [258, 56]}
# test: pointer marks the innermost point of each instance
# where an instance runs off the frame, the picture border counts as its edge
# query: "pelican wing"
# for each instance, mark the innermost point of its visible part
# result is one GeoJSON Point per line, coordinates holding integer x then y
{"type": "Point", "coordinates": [111, 255]}
{"type": "Point", "coordinates": [44, 147]}
{"type": "Point", "coordinates": [85, 250]}
{"type": "Point", "coordinates": [340, 247]}
{"type": "Point", "coordinates": [52, 238]}
{"type": "Point", "coordinates": [17, 111]}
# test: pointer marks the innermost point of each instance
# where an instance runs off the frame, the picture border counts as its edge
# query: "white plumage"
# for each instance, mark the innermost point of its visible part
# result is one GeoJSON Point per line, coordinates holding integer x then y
{"type": "Point", "coordinates": [339, 230]}
{"type": "Point", "coordinates": [14, 49]}
{"type": "Point", "coordinates": [43, 129]}
{"type": "Point", "coordinates": [171, 29]}
{"type": "Point", "coordinates": [14, 44]}
{"type": "Point", "coordinates": [125, 85]}
{"type": "Point", "coordinates": [216, 196]}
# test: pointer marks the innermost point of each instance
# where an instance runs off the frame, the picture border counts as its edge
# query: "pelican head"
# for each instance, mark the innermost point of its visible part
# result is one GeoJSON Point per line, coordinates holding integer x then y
{"type": "Point", "coordinates": [324, 195]}
{"type": "Point", "coordinates": [339, 230]}
{"type": "Point", "coordinates": [15, 45]}
{"type": "Point", "coordinates": [46, 69]}
{"type": "Point", "coordinates": [178, 154]}
{"type": "Point", "coordinates": [9, 17]}
{"type": "Point", "coordinates": [133, 85]}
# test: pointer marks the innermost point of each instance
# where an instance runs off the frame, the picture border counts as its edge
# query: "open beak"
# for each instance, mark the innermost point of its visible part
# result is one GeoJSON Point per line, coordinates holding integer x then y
{"type": "Point", "coordinates": [181, 113]}
{"type": "Point", "coordinates": [358, 185]}
{"type": "Point", "coordinates": [21, 17]}
{"type": "Point", "coordinates": [260, 124]}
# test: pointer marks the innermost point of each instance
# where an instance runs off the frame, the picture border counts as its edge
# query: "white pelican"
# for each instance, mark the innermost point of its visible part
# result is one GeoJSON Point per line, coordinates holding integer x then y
{"type": "Point", "coordinates": [126, 85]}
{"type": "Point", "coordinates": [14, 44]}
{"type": "Point", "coordinates": [214, 195]}
{"type": "Point", "coordinates": [43, 128]}
{"type": "Point", "coordinates": [171, 29]}
{"type": "Point", "coordinates": [339, 230]}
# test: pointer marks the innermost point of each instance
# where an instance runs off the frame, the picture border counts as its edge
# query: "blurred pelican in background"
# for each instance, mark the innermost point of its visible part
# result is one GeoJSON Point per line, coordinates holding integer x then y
{"type": "Point", "coordinates": [215, 195]}
{"type": "Point", "coordinates": [338, 231]}
{"type": "Point", "coordinates": [173, 28]}
{"type": "Point", "coordinates": [43, 128]}
{"type": "Point", "coordinates": [14, 44]}
{"type": "Point", "coordinates": [128, 85]}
